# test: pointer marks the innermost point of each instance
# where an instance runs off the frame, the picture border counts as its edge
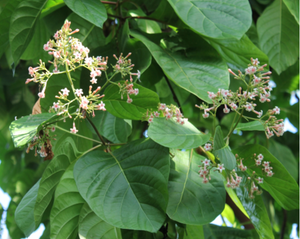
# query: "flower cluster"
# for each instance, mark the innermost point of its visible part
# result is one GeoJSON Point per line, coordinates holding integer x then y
{"type": "Point", "coordinates": [254, 179]}
{"type": "Point", "coordinates": [124, 66]}
{"type": "Point", "coordinates": [257, 82]}
{"type": "Point", "coordinates": [127, 88]}
{"type": "Point", "coordinates": [233, 181]}
{"type": "Point", "coordinates": [206, 167]}
{"type": "Point", "coordinates": [70, 54]}
{"type": "Point", "coordinates": [168, 111]}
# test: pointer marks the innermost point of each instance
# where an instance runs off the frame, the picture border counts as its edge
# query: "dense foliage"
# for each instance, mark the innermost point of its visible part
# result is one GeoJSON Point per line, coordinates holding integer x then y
{"type": "Point", "coordinates": [148, 119]}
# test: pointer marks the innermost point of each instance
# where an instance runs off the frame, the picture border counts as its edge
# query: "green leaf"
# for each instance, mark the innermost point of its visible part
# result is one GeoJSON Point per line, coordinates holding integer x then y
{"type": "Point", "coordinates": [292, 112]}
{"type": "Point", "coordinates": [91, 10]}
{"type": "Point", "coordinates": [285, 156]}
{"type": "Point", "coordinates": [197, 73]}
{"type": "Point", "coordinates": [66, 208]}
{"type": "Point", "coordinates": [113, 128]}
{"type": "Point", "coordinates": [173, 135]}
{"type": "Point", "coordinates": [217, 232]}
{"type": "Point", "coordinates": [92, 226]}
{"type": "Point", "coordinates": [251, 126]}
{"type": "Point", "coordinates": [236, 200]}
{"type": "Point", "coordinates": [219, 19]}
{"type": "Point", "coordinates": [24, 213]}
{"type": "Point", "coordinates": [5, 16]}
{"type": "Point", "coordinates": [128, 187]}
{"type": "Point", "coordinates": [256, 210]}
{"type": "Point", "coordinates": [222, 150]}
{"type": "Point", "coordinates": [282, 187]}
{"type": "Point", "coordinates": [146, 99]}
{"type": "Point", "coordinates": [51, 6]}
{"type": "Point", "coordinates": [144, 25]}
{"type": "Point", "coordinates": [293, 6]}
{"type": "Point", "coordinates": [65, 154]}
{"type": "Point", "coordinates": [24, 129]}
{"type": "Point", "coordinates": [34, 50]}
{"type": "Point", "coordinates": [190, 200]}
{"type": "Point", "coordinates": [22, 25]}
{"type": "Point", "coordinates": [278, 34]}
{"type": "Point", "coordinates": [89, 34]}
{"type": "Point", "coordinates": [238, 52]}
{"type": "Point", "coordinates": [193, 231]}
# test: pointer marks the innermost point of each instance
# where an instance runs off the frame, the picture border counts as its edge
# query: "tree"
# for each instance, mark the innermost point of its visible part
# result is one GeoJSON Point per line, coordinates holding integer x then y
{"type": "Point", "coordinates": [115, 71]}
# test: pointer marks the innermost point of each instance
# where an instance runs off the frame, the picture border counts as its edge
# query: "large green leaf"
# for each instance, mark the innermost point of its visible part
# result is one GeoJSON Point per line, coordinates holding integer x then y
{"type": "Point", "coordinates": [91, 226]}
{"type": "Point", "coordinates": [22, 25]}
{"type": "Point", "coordinates": [24, 215]}
{"type": "Point", "coordinates": [222, 150]}
{"type": "Point", "coordinates": [173, 135]}
{"type": "Point", "coordinates": [190, 200]}
{"type": "Point", "coordinates": [128, 187]}
{"type": "Point", "coordinates": [24, 129]}
{"type": "Point", "coordinates": [146, 99]}
{"type": "Point", "coordinates": [238, 52]}
{"type": "Point", "coordinates": [113, 128]}
{"type": "Point", "coordinates": [281, 185]}
{"type": "Point", "coordinates": [278, 34]}
{"type": "Point", "coordinates": [220, 232]}
{"type": "Point", "coordinates": [66, 208]}
{"type": "Point", "coordinates": [256, 210]}
{"type": "Point", "coordinates": [218, 19]}
{"type": "Point", "coordinates": [197, 73]}
{"type": "Point", "coordinates": [293, 6]}
{"type": "Point", "coordinates": [285, 156]}
{"type": "Point", "coordinates": [91, 10]}
{"type": "Point", "coordinates": [5, 16]}
{"type": "Point", "coordinates": [64, 156]}
{"type": "Point", "coordinates": [251, 126]}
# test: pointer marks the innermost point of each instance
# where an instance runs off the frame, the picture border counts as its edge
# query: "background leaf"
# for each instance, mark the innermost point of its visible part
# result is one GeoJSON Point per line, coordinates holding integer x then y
{"type": "Point", "coordinates": [113, 128]}
{"type": "Point", "coordinates": [24, 215]}
{"type": "Point", "coordinates": [119, 191]}
{"type": "Point", "coordinates": [293, 6]}
{"type": "Point", "coordinates": [278, 34]}
{"type": "Point", "coordinates": [197, 73]}
{"type": "Point", "coordinates": [282, 187]}
{"type": "Point", "coordinates": [91, 10]}
{"type": "Point", "coordinates": [222, 151]}
{"type": "Point", "coordinates": [259, 216]}
{"type": "Point", "coordinates": [64, 156]}
{"type": "Point", "coordinates": [22, 24]}
{"type": "Point", "coordinates": [91, 226]}
{"type": "Point", "coordinates": [238, 52]}
{"type": "Point", "coordinates": [173, 135]}
{"type": "Point", "coordinates": [220, 19]}
{"type": "Point", "coordinates": [250, 126]}
{"type": "Point", "coordinates": [66, 207]}
{"type": "Point", "coordinates": [190, 200]}
{"type": "Point", "coordinates": [218, 232]}
{"type": "Point", "coordinates": [285, 156]}
{"type": "Point", "coordinates": [146, 99]}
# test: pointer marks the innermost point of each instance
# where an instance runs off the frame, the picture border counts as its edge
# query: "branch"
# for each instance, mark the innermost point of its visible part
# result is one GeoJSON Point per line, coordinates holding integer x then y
{"type": "Point", "coordinates": [96, 131]}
